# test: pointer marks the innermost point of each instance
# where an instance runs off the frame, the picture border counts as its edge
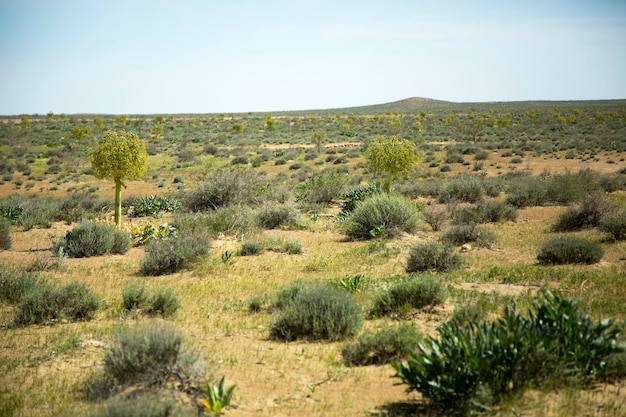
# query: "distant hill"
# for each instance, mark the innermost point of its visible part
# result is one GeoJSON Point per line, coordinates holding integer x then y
{"type": "Point", "coordinates": [418, 104]}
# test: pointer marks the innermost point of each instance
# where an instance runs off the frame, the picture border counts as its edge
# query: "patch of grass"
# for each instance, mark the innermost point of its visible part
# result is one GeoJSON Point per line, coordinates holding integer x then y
{"type": "Point", "coordinates": [5, 234]}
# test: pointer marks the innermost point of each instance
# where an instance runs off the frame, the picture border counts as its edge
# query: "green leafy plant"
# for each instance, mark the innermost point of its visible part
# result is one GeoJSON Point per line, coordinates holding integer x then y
{"type": "Point", "coordinates": [392, 156]}
{"type": "Point", "coordinates": [433, 256]}
{"type": "Point", "coordinates": [469, 368]}
{"type": "Point", "coordinates": [321, 188]}
{"type": "Point", "coordinates": [408, 293]}
{"type": "Point", "coordinates": [381, 215]}
{"type": "Point", "coordinates": [569, 250]}
{"type": "Point", "coordinates": [154, 205]}
{"type": "Point", "coordinates": [356, 195]}
{"type": "Point", "coordinates": [316, 312]}
{"type": "Point", "coordinates": [383, 346]}
{"type": "Point", "coordinates": [351, 283]}
{"type": "Point", "coordinates": [217, 397]}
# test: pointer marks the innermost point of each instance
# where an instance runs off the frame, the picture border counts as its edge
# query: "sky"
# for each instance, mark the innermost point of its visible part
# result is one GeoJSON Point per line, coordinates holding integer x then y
{"type": "Point", "coordinates": [224, 56]}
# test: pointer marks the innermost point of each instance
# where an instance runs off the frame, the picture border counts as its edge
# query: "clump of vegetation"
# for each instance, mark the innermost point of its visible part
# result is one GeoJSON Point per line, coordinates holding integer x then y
{"type": "Point", "coordinates": [587, 214]}
{"type": "Point", "coordinates": [149, 354]}
{"type": "Point", "coordinates": [407, 294]}
{"type": "Point", "coordinates": [389, 344]}
{"type": "Point", "coordinates": [474, 366]}
{"type": "Point", "coordinates": [486, 212]}
{"type": "Point", "coordinates": [470, 233]}
{"type": "Point", "coordinates": [464, 188]}
{"type": "Point", "coordinates": [226, 187]}
{"type": "Point", "coordinates": [391, 156]}
{"type": "Point", "coordinates": [93, 239]}
{"type": "Point", "coordinates": [322, 188]}
{"type": "Point", "coordinates": [569, 250]}
{"type": "Point", "coordinates": [154, 205]}
{"type": "Point", "coordinates": [614, 224]}
{"type": "Point", "coordinates": [272, 216]}
{"type": "Point", "coordinates": [144, 405]}
{"type": "Point", "coordinates": [251, 248]}
{"type": "Point", "coordinates": [42, 302]}
{"type": "Point", "coordinates": [134, 296]}
{"type": "Point", "coordinates": [435, 216]}
{"type": "Point", "coordinates": [217, 397]}
{"type": "Point", "coordinates": [433, 256]}
{"type": "Point", "coordinates": [382, 215]}
{"type": "Point", "coordinates": [5, 234]}
{"type": "Point", "coordinates": [171, 255]}
{"type": "Point", "coordinates": [316, 312]}
{"type": "Point", "coordinates": [356, 195]}
{"type": "Point", "coordinates": [14, 284]}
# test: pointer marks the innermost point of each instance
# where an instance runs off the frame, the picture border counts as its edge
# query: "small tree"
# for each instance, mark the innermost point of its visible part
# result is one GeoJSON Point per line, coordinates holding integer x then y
{"type": "Point", "coordinates": [392, 156]}
{"type": "Point", "coordinates": [319, 137]}
{"type": "Point", "coordinates": [119, 156]}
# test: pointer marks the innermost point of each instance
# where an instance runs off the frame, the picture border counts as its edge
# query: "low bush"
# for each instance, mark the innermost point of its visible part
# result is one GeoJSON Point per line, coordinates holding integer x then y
{"type": "Point", "coordinates": [433, 256]}
{"type": "Point", "coordinates": [171, 255]}
{"type": "Point", "coordinates": [382, 215]}
{"type": "Point", "coordinates": [154, 205]}
{"type": "Point", "coordinates": [80, 206]}
{"type": "Point", "coordinates": [356, 195]}
{"type": "Point", "coordinates": [470, 233]}
{"type": "Point", "coordinates": [164, 302]}
{"type": "Point", "coordinates": [569, 250]}
{"type": "Point", "coordinates": [324, 187]}
{"type": "Point", "coordinates": [614, 224]}
{"type": "Point", "coordinates": [466, 188]}
{"type": "Point", "coordinates": [149, 353]}
{"type": "Point", "coordinates": [227, 187]}
{"type": "Point", "coordinates": [93, 239]}
{"type": "Point", "coordinates": [406, 294]}
{"type": "Point", "coordinates": [587, 214]}
{"type": "Point", "coordinates": [134, 296]}
{"type": "Point", "coordinates": [435, 216]}
{"type": "Point", "coordinates": [293, 246]}
{"type": "Point", "coordinates": [272, 216]}
{"type": "Point", "coordinates": [475, 366]}
{"type": "Point", "coordinates": [78, 302]}
{"type": "Point", "coordinates": [44, 302]}
{"type": "Point", "coordinates": [5, 234]}
{"type": "Point", "coordinates": [317, 312]}
{"type": "Point", "coordinates": [251, 248]}
{"type": "Point", "coordinates": [145, 405]}
{"type": "Point", "coordinates": [14, 284]}
{"type": "Point", "coordinates": [389, 344]}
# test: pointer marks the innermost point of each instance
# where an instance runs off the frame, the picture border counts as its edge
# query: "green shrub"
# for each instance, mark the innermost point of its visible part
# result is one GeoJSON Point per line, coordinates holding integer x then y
{"type": "Point", "coordinates": [144, 405]}
{"type": "Point", "coordinates": [144, 353]}
{"type": "Point", "coordinates": [293, 246]}
{"type": "Point", "coordinates": [470, 233]}
{"type": "Point", "coordinates": [227, 187]}
{"type": "Point", "coordinates": [406, 294]}
{"type": "Point", "coordinates": [586, 214]}
{"type": "Point", "coordinates": [164, 302]}
{"type": "Point", "coordinates": [382, 214]}
{"type": "Point", "coordinates": [92, 239]}
{"type": "Point", "coordinates": [527, 192]}
{"type": "Point", "coordinates": [318, 312]}
{"type": "Point", "coordinates": [272, 216]}
{"type": "Point", "coordinates": [232, 220]}
{"type": "Point", "coordinates": [14, 284]}
{"type": "Point", "coordinates": [321, 188]}
{"type": "Point", "coordinates": [171, 255]}
{"type": "Point", "coordinates": [356, 195]}
{"type": "Point", "coordinates": [287, 294]}
{"type": "Point", "coordinates": [433, 256]}
{"type": "Point", "coordinates": [5, 234]}
{"type": "Point", "coordinates": [39, 305]}
{"type": "Point", "coordinates": [569, 250]}
{"type": "Point", "coordinates": [78, 301]}
{"type": "Point", "coordinates": [384, 346]}
{"type": "Point", "coordinates": [496, 211]}
{"type": "Point", "coordinates": [79, 206]}
{"type": "Point", "coordinates": [251, 248]}
{"type": "Point", "coordinates": [134, 296]}
{"type": "Point", "coordinates": [615, 225]}
{"type": "Point", "coordinates": [37, 212]}
{"type": "Point", "coordinates": [472, 367]}
{"type": "Point", "coordinates": [154, 205]}
{"type": "Point", "coordinates": [464, 188]}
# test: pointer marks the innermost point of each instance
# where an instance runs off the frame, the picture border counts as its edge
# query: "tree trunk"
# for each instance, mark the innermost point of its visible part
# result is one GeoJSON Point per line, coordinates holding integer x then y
{"type": "Point", "coordinates": [118, 202]}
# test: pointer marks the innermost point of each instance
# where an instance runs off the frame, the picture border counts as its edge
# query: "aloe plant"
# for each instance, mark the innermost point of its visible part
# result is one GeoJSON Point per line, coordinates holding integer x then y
{"type": "Point", "coordinates": [218, 397]}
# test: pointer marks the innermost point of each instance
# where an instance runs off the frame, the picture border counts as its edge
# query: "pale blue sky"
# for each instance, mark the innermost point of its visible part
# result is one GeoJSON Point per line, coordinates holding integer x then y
{"type": "Point", "coordinates": [193, 56]}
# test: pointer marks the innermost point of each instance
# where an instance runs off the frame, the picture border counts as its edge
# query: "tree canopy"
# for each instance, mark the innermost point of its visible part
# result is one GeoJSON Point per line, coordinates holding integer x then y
{"type": "Point", "coordinates": [119, 156]}
{"type": "Point", "coordinates": [391, 155]}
